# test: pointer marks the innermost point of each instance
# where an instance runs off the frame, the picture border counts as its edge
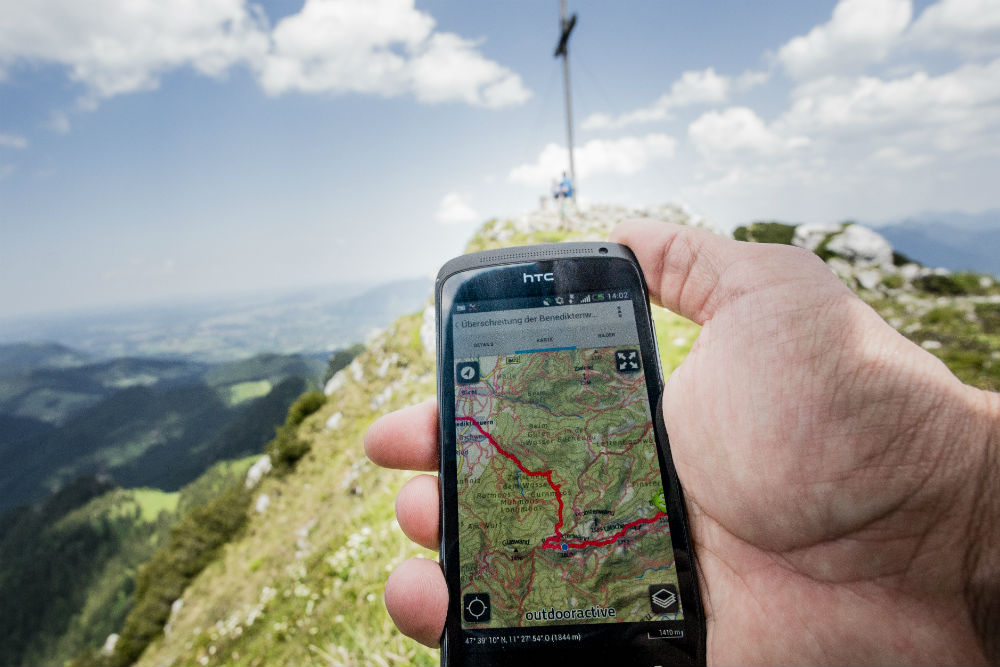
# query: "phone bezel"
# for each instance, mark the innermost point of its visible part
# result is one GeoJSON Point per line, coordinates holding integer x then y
{"type": "Point", "coordinates": [576, 267]}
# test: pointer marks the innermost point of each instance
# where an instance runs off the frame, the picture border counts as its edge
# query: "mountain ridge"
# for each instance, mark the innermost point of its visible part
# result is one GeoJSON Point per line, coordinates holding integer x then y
{"type": "Point", "coordinates": [954, 240]}
{"type": "Point", "coordinates": [306, 321]}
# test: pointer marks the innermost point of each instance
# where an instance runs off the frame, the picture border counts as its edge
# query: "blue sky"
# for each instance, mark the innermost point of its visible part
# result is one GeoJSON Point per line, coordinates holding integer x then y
{"type": "Point", "coordinates": [156, 149]}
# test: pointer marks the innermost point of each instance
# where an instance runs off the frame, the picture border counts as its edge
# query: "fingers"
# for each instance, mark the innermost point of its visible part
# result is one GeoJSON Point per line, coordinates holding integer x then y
{"type": "Point", "coordinates": [417, 599]}
{"type": "Point", "coordinates": [683, 265]}
{"type": "Point", "coordinates": [405, 439]}
{"type": "Point", "coordinates": [417, 510]}
{"type": "Point", "coordinates": [415, 594]}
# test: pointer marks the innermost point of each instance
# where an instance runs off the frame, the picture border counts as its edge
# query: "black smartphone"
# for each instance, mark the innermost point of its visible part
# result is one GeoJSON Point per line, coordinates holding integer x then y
{"type": "Point", "coordinates": [563, 530]}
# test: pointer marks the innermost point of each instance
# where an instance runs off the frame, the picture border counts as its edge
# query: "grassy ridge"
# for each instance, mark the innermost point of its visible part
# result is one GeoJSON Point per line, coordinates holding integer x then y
{"type": "Point", "coordinates": [303, 583]}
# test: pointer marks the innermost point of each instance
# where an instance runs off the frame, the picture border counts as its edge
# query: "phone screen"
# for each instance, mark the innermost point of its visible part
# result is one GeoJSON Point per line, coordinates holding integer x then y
{"type": "Point", "coordinates": [563, 528]}
{"type": "Point", "coordinates": [561, 508]}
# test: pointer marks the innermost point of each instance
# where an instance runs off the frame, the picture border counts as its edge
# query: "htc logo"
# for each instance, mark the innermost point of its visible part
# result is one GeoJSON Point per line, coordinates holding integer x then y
{"type": "Point", "coordinates": [538, 277]}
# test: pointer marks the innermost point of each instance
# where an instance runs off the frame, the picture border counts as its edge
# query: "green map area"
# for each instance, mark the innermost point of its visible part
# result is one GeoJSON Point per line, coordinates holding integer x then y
{"type": "Point", "coordinates": [562, 516]}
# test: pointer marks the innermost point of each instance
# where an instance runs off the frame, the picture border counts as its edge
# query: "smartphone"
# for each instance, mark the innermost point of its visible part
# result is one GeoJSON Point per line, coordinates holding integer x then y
{"type": "Point", "coordinates": [563, 530]}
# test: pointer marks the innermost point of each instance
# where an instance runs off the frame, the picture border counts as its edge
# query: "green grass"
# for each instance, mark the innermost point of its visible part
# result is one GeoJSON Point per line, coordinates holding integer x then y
{"type": "Point", "coordinates": [213, 482]}
{"type": "Point", "coordinates": [765, 232]}
{"type": "Point", "coordinates": [893, 281]}
{"type": "Point", "coordinates": [234, 394]}
{"type": "Point", "coordinates": [512, 237]}
{"type": "Point", "coordinates": [961, 330]}
{"type": "Point", "coordinates": [154, 501]}
{"type": "Point", "coordinates": [989, 316]}
{"type": "Point", "coordinates": [675, 336]}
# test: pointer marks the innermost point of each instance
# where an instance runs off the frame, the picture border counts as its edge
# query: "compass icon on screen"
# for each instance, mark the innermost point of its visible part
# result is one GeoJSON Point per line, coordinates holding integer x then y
{"type": "Point", "coordinates": [467, 372]}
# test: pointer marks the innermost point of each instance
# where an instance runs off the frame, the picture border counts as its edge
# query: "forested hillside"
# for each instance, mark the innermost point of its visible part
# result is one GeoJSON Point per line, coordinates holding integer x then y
{"type": "Point", "coordinates": [144, 422]}
{"type": "Point", "coordinates": [99, 461]}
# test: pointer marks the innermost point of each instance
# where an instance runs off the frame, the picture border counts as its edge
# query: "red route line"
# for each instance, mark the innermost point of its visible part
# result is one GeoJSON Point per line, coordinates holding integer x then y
{"type": "Point", "coordinates": [550, 542]}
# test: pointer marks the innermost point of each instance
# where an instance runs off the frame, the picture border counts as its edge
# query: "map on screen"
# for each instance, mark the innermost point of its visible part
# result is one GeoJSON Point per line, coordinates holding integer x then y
{"type": "Point", "coordinates": [561, 506]}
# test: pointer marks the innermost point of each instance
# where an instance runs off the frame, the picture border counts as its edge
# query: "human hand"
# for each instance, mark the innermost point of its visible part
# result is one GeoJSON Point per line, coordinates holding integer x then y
{"type": "Point", "coordinates": [835, 473]}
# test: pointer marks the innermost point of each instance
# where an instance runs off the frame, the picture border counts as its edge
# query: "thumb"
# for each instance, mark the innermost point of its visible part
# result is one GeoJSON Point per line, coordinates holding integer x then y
{"type": "Point", "coordinates": [684, 266]}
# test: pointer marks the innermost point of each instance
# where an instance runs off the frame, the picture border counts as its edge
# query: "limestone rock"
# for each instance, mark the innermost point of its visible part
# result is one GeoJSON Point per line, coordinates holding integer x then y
{"type": "Point", "coordinates": [910, 271]}
{"type": "Point", "coordinates": [175, 609]}
{"type": "Point", "coordinates": [863, 247]}
{"type": "Point", "coordinates": [333, 423]}
{"type": "Point", "coordinates": [263, 502]}
{"type": "Point", "coordinates": [257, 471]}
{"type": "Point", "coordinates": [109, 644]}
{"type": "Point", "coordinates": [812, 234]}
{"type": "Point", "coordinates": [336, 382]}
{"type": "Point", "coordinates": [869, 278]}
{"type": "Point", "coordinates": [841, 268]}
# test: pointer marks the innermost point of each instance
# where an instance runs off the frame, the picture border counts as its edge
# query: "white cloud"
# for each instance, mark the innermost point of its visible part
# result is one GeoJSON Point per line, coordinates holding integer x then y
{"type": "Point", "coordinates": [898, 159]}
{"type": "Point", "coordinates": [971, 27]}
{"type": "Point", "coordinates": [751, 79]}
{"type": "Point", "coordinates": [956, 111]}
{"type": "Point", "coordinates": [12, 141]}
{"type": "Point", "coordinates": [624, 156]}
{"type": "Point", "coordinates": [694, 87]}
{"type": "Point", "coordinates": [737, 130]}
{"type": "Point", "coordinates": [868, 128]}
{"type": "Point", "coordinates": [905, 122]}
{"type": "Point", "coordinates": [603, 121]}
{"type": "Point", "coordinates": [698, 88]}
{"type": "Point", "coordinates": [448, 68]}
{"type": "Point", "coordinates": [113, 47]}
{"type": "Point", "coordinates": [859, 33]}
{"type": "Point", "coordinates": [857, 146]}
{"type": "Point", "coordinates": [382, 47]}
{"type": "Point", "coordinates": [344, 46]}
{"type": "Point", "coordinates": [453, 210]}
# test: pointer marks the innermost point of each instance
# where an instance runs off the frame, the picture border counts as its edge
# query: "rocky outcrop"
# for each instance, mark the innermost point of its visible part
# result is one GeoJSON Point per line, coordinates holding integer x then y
{"type": "Point", "coordinates": [257, 471]}
{"type": "Point", "coordinates": [861, 246]}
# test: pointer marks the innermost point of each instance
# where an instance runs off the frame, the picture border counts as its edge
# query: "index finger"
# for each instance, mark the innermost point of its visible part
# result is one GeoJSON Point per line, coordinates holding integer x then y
{"type": "Point", "coordinates": [406, 438]}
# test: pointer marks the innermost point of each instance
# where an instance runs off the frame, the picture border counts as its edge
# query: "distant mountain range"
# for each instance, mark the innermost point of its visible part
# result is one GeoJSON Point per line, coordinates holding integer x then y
{"type": "Point", "coordinates": [313, 322]}
{"type": "Point", "coordinates": [953, 240]}
{"type": "Point", "coordinates": [154, 396]}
